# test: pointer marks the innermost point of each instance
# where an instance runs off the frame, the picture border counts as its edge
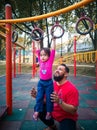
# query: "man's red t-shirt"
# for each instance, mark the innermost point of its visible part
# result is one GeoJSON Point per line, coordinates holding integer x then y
{"type": "Point", "coordinates": [69, 94]}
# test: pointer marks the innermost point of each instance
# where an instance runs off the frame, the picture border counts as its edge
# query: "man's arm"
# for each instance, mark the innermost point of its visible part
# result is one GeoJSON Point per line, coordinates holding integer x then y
{"type": "Point", "coordinates": [34, 93]}
{"type": "Point", "coordinates": [66, 107]}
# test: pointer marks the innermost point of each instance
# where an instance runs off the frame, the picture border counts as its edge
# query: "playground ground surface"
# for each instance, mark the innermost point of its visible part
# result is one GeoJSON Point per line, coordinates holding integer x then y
{"type": "Point", "coordinates": [23, 103]}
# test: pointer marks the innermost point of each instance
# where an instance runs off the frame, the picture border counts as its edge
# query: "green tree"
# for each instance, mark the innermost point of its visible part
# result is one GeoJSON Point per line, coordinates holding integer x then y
{"type": "Point", "coordinates": [28, 8]}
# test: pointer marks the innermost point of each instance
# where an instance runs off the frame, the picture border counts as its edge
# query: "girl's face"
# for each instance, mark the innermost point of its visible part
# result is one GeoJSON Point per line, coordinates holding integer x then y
{"type": "Point", "coordinates": [43, 56]}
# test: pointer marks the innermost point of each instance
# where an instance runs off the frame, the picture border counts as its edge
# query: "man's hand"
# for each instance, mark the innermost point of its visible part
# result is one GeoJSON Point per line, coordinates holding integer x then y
{"type": "Point", "coordinates": [33, 92]}
{"type": "Point", "coordinates": [54, 97]}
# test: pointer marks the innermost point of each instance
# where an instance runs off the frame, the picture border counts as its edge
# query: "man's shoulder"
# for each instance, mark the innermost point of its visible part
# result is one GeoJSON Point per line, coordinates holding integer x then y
{"type": "Point", "coordinates": [71, 85]}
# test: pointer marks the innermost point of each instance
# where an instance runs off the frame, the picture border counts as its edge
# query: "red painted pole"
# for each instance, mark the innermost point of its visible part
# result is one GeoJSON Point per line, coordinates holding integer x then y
{"type": "Point", "coordinates": [14, 59]}
{"type": "Point", "coordinates": [19, 66]}
{"type": "Point", "coordinates": [74, 56]}
{"type": "Point", "coordinates": [8, 15]}
{"type": "Point", "coordinates": [33, 60]}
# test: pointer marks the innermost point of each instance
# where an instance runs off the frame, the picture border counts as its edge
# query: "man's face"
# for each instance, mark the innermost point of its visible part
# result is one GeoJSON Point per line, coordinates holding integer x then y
{"type": "Point", "coordinates": [59, 73]}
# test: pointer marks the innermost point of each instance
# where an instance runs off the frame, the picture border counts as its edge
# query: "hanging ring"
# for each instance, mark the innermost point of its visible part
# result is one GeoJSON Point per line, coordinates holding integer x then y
{"type": "Point", "coordinates": [14, 36]}
{"type": "Point", "coordinates": [89, 28]}
{"type": "Point", "coordinates": [54, 27]}
{"type": "Point", "coordinates": [37, 34]}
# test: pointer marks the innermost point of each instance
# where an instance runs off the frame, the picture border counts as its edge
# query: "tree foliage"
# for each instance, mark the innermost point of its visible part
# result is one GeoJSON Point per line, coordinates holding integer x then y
{"type": "Point", "coordinates": [28, 8]}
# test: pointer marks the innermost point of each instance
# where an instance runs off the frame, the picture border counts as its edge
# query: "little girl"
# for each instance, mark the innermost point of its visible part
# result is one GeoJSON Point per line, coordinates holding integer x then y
{"type": "Point", "coordinates": [45, 84]}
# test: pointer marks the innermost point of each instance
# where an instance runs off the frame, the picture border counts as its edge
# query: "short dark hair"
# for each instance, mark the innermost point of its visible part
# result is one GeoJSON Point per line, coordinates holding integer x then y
{"type": "Point", "coordinates": [66, 68]}
{"type": "Point", "coordinates": [46, 50]}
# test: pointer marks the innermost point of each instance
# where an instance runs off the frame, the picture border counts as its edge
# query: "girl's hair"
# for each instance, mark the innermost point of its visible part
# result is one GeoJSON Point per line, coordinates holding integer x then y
{"type": "Point", "coordinates": [46, 50]}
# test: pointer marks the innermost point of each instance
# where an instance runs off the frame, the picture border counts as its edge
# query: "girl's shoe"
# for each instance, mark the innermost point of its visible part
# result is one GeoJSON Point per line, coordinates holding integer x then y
{"type": "Point", "coordinates": [35, 116]}
{"type": "Point", "coordinates": [48, 116]}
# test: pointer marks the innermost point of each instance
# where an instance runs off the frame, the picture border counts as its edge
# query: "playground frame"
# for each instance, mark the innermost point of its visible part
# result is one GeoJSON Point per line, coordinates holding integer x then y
{"type": "Point", "coordinates": [9, 36]}
{"type": "Point", "coordinates": [51, 14]}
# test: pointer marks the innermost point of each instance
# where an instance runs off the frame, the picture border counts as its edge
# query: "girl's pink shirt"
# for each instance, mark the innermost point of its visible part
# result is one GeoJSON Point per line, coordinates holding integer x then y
{"type": "Point", "coordinates": [46, 67]}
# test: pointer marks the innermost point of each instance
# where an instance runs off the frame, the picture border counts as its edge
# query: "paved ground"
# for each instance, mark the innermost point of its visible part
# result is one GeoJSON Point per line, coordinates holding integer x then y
{"type": "Point", "coordinates": [21, 118]}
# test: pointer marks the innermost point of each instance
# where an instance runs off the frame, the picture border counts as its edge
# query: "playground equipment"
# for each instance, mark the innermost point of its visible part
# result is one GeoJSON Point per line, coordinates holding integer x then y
{"type": "Point", "coordinates": [2, 34]}
{"type": "Point", "coordinates": [74, 56]}
{"type": "Point", "coordinates": [14, 45]}
{"type": "Point", "coordinates": [14, 40]}
{"type": "Point", "coordinates": [84, 21]}
{"type": "Point", "coordinates": [51, 14]}
{"type": "Point", "coordinates": [8, 41]}
{"type": "Point", "coordinates": [34, 68]}
{"type": "Point", "coordinates": [14, 36]}
{"type": "Point", "coordinates": [83, 57]}
{"type": "Point", "coordinates": [8, 62]}
{"type": "Point", "coordinates": [37, 33]}
{"type": "Point", "coordinates": [57, 30]}
{"type": "Point", "coordinates": [18, 47]}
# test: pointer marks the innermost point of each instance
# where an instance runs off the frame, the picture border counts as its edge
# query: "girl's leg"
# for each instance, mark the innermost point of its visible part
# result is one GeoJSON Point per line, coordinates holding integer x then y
{"type": "Point", "coordinates": [39, 101]}
{"type": "Point", "coordinates": [49, 90]}
{"type": "Point", "coordinates": [67, 124]}
{"type": "Point", "coordinates": [43, 119]}
{"type": "Point", "coordinates": [49, 104]}
{"type": "Point", "coordinates": [39, 97]}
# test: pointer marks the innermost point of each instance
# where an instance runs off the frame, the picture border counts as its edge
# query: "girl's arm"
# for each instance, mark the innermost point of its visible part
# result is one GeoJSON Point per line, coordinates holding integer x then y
{"type": "Point", "coordinates": [53, 45]}
{"type": "Point", "coordinates": [37, 43]}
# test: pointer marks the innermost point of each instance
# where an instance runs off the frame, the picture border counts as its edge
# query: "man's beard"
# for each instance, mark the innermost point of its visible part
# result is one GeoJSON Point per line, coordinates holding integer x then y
{"type": "Point", "coordinates": [58, 78]}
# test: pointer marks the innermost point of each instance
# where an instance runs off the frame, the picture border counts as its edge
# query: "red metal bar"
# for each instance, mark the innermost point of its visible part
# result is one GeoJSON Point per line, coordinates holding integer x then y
{"type": "Point", "coordinates": [14, 61]}
{"type": "Point", "coordinates": [8, 15]}
{"type": "Point", "coordinates": [74, 56]}
{"type": "Point", "coordinates": [19, 65]}
{"type": "Point", "coordinates": [33, 60]}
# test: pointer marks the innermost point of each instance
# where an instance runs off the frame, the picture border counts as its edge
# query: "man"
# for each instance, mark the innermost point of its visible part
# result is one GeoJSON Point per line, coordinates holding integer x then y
{"type": "Point", "coordinates": [66, 100]}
